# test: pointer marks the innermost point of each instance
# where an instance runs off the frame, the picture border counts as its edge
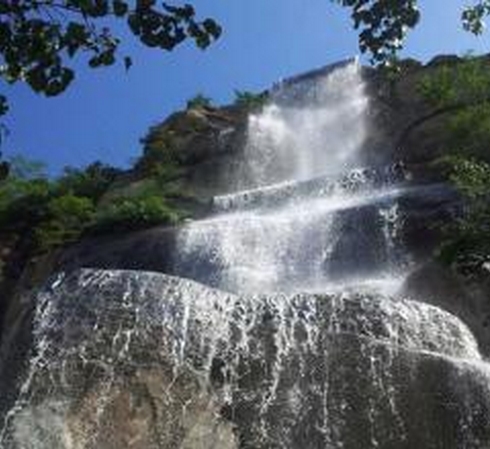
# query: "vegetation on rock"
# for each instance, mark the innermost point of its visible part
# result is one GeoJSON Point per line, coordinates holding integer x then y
{"type": "Point", "coordinates": [467, 239]}
{"type": "Point", "coordinates": [50, 213]}
{"type": "Point", "coordinates": [65, 218]}
{"type": "Point", "coordinates": [462, 90]}
{"type": "Point", "coordinates": [129, 214]}
{"type": "Point", "coordinates": [250, 100]}
{"type": "Point", "coordinates": [187, 137]}
{"type": "Point", "coordinates": [464, 83]}
{"type": "Point", "coordinates": [199, 101]}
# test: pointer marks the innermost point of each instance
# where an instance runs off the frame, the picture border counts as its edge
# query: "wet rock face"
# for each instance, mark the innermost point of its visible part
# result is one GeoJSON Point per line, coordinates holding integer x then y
{"type": "Point", "coordinates": [124, 359]}
{"type": "Point", "coordinates": [468, 299]}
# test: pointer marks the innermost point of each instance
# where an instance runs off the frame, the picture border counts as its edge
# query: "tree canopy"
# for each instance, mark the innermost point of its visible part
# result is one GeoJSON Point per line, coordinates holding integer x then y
{"type": "Point", "coordinates": [384, 24]}
{"type": "Point", "coordinates": [39, 38]}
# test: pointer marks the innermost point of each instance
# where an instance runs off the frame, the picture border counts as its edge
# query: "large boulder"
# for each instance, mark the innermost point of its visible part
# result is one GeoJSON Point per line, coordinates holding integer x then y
{"type": "Point", "coordinates": [469, 299]}
{"type": "Point", "coordinates": [125, 359]}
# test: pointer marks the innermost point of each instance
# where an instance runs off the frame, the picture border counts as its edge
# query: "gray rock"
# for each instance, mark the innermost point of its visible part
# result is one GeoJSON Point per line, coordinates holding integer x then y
{"type": "Point", "coordinates": [441, 286]}
{"type": "Point", "coordinates": [123, 359]}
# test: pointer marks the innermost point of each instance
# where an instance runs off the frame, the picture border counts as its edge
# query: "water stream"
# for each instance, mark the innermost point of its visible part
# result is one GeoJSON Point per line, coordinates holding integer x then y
{"type": "Point", "coordinates": [314, 219]}
{"type": "Point", "coordinates": [303, 343]}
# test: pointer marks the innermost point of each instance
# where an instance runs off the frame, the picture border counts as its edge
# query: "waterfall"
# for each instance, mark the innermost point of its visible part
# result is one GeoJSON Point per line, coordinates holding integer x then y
{"type": "Point", "coordinates": [289, 331]}
{"type": "Point", "coordinates": [143, 360]}
{"type": "Point", "coordinates": [313, 219]}
{"type": "Point", "coordinates": [309, 129]}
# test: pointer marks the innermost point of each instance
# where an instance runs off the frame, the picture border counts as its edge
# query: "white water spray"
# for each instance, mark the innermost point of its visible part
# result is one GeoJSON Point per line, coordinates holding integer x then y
{"type": "Point", "coordinates": [142, 360]}
{"type": "Point", "coordinates": [311, 129]}
{"type": "Point", "coordinates": [286, 233]}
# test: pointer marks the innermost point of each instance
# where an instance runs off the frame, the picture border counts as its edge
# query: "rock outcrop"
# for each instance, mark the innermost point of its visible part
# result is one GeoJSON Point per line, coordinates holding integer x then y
{"type": "Point", "coordinates": [104, 358]}
{"type": "Point", "coordinates": [125, 359]}
{"type": "Point", "coordinates": [466, 298]}
{"type": "Point", "coordinates": [207, 143]}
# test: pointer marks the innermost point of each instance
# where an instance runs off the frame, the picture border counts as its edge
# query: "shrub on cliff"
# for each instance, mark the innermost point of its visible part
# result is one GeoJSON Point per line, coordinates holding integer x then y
{"type": "Point", "coordinates": [199, 101]}
{"type": "Point", "coordinates": [467, 239]}
{"type": "Point", "coordinates": [159, 151]}
{"type": "Point", "coordinates": [66, 219]}
{"type": "Point", "coordinates": [23, 203]}
{"type": "Point", "coordinates": [462, 92]}
{"type": "Point", "coordinates": [48, 213]}
{"type": "Point", "coordinates": [36, 211]}
{"type": "Point", "coordinates": [91, 182]}
{"type": "Point", "coordinates": [250, 100]}
{"type": "Point", "coordinates": [126, 214]}
{"type": "Point", "coordinates": [464, 83]}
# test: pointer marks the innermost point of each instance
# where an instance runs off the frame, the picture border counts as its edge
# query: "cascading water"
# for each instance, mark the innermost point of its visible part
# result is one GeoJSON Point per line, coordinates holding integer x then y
{"type": "Point", "coordinates": [303, 346]}
{"type": "Point", "coordinates": [299, 228]}
{"type": "Point", "coordinates": [309, 129]}
{"type": "Point", "coordinates": [141, 360]}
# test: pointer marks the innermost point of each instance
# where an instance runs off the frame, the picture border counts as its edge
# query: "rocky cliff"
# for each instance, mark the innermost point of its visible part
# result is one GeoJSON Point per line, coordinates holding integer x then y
{"type": "Point", "coordinates": [128, 359]}
{"type": "Point", "coordinates": [104, 358]}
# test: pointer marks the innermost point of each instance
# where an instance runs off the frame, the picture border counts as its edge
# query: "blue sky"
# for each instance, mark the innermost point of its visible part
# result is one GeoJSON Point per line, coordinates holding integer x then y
{"type": "Point", "coordinates": [105, 112]}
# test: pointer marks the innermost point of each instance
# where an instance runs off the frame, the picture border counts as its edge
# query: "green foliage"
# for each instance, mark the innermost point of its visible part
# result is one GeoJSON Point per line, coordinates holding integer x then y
{"type": "Point", "coordinates": [466, 245]}
{"type": "Point", "coordinates": [469, 129]}
{"type": "Point", "coordinates": [467, 82]}
{"type": "Point", "coordinates": [158, 152]}
{"type": "Point", "coordinates": [473, 17]}
{"type": "Point", "coordinates": [164, 173]}
{"type": "Point", "coordinates": [91, 182]}
{"type": "Point", "coordinates": [72, 210]}
{"type": "Point", "coordinates": [50, 213]}
{"type": "Point", "coordinates": [24, 194]}
{"type": "Point", "coordinates": [39, 38]}
{"type": "Point", "coordinates": [471, 177]}
{"type": "Point", "coordinates": [126, 214]}
{"type": "Point", "coordinates": [250, 100]}
{"type": "Point", "coordinates": [67, 217]}
{"type": "Point", "coordinates": [165, 145]}
{"type": "Point", "coordinates": [467, 239]}
{"type": "Point", "coordinates": [23, 202]}
{"type": "Point", "coordinates": [199, 101]}
{"type": "Point", "coordinates": [438, 89]}
{"type": "Point", "coordinates": [464, 90]}
{"type": "Point", "coordinates": [383, 25]}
